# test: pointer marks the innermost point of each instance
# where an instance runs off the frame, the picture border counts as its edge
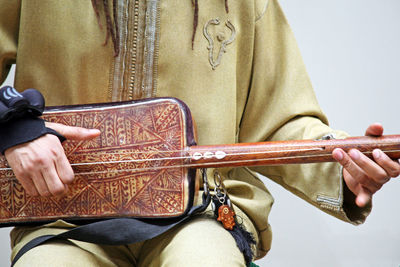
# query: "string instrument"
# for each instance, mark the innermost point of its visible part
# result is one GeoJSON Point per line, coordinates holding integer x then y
{"type": "Point", "coordinates": [143, 163]}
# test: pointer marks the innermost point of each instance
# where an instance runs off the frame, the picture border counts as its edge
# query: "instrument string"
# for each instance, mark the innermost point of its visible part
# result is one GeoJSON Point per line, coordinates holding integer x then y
{"type": "Point", "coordinates": [191, 156]}
{"type": "Point", "coordinates": [181, 157]}
{"type": "Point", "coordinates": [225, 149]}
{"type": "Point", "coordinates": [194, 164]}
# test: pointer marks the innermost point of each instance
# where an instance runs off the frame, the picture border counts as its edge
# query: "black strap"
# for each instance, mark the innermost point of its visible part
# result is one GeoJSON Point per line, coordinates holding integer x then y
{"type": "Point", "coordinates": [19, 122]}
{"type": "Point", "coordinates": [119, 231]}
{"type": "Point", "coordinates": [15, 105]}
{"type": "Point", "coordinates": [23, 130]}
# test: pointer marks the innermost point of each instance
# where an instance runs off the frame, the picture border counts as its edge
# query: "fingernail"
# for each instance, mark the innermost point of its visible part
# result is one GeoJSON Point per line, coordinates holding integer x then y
{"type": "Point", "coordinates": [376, 153]}
{"type": "Point", "coordinates": [354, 154]}
{"type": "Point", "coordinates": [339, 155]}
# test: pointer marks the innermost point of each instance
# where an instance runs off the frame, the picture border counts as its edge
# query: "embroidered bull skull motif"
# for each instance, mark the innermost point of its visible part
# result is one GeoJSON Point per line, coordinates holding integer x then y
{"type": "Point", "coordinates": [220, 37]}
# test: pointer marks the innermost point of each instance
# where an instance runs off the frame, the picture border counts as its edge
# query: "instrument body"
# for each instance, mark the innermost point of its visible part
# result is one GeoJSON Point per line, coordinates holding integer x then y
{"type": "Point", "coordinates": [105, 185]}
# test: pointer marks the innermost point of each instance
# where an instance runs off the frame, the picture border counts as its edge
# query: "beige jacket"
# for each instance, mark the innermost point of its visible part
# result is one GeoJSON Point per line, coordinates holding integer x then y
{"type": "Point", "coordinates": [244, 81]}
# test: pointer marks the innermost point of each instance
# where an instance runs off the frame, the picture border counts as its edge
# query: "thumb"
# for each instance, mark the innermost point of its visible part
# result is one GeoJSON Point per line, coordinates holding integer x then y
{"type": "Point", "coordinates": [363, 197]}
{"type": "Point", "coordinates": [375, 129]}
{"type": "Point", "coordinates": [72, 132]}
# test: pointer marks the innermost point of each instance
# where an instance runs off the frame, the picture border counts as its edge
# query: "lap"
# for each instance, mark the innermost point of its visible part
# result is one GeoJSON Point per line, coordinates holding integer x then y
{"type": "Point", "coordinates": [201, 241]}
{"type": "Point", "coordinates": [66, 254]}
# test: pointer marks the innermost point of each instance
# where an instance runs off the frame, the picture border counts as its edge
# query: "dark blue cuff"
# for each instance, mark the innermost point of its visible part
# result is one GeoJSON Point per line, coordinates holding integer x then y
{"type": "Point", "coordinates": [15, 105]}
{"type": "Point", "coordinates": [23, 130]}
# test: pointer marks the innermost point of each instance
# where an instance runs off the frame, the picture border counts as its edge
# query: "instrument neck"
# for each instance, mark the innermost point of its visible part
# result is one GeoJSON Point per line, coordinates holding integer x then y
{"type": "Point", "coordinates": [287, 152]}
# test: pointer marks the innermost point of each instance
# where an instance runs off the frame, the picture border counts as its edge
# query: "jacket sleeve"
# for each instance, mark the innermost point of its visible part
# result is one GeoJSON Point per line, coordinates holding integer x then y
{"type": "Point", "coordinates": [9, 24]}
{"type": "Point", "coordinates": [14, 132]}
{"type": "Point", "coordinates": [282, 106]}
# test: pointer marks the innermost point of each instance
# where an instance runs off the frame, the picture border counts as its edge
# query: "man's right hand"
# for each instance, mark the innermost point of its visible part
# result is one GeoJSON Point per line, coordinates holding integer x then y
{"type": "Point", "coordinates": [41, 165]}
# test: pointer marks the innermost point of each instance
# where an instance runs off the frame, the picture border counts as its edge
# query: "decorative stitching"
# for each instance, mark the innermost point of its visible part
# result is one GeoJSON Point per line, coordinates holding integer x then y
{"type": "Point", "coordinates": [135, 68]}
{"type": "Point", "coordinates": [224, 43]}
{"type": "Point", "coordinates": [116, 81]}
{"type": "Point", "coordinates": [136, 51]}
{"type": "Point", "coordinates": [151, 34]}
{"type": "Point", "coordinates": [330, 202]}
{"type": "Point", "coordinates": [263, 12]}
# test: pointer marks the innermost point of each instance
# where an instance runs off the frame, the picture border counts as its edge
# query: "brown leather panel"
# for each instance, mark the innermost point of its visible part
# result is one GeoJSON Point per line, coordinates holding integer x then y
{"type": "Point", "coordinates": [134, 136]}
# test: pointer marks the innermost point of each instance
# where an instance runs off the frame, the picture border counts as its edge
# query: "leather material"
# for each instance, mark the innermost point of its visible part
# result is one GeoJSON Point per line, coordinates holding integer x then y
{"type": "Point", "coordinates": [118, 174]}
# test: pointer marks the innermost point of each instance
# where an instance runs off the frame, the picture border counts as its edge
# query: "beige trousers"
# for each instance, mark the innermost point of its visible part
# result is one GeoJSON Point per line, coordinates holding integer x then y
{"type": "Point", "coordinates": [199, 242]}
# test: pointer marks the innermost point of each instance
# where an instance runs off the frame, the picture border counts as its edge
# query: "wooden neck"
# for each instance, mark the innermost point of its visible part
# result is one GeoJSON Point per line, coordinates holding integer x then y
{"type": "Point", "coordinates": [287, 152]}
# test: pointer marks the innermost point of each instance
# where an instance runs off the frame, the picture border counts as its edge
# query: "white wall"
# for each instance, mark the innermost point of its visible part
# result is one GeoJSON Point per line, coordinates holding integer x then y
{"type": "Point", "coordinates": [351, 51]}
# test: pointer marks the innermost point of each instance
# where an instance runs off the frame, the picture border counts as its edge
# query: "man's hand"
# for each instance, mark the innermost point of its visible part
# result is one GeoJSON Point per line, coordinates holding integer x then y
{"type": "Point", "coordinates": [41, 165]}
{"type": "Point", "coordinates": [364, 176]}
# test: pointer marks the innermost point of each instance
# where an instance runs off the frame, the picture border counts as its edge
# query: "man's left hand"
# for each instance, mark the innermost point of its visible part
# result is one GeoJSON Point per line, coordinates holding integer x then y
{"type": "Point", "coordinates": [365, 176]}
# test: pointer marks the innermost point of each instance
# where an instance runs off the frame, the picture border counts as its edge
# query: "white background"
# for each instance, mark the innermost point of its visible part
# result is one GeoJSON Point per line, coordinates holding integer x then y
{"type": "Point", "coordinates": [351, 50]}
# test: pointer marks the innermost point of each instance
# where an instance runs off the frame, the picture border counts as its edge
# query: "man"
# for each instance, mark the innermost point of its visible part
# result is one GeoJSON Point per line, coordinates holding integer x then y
{"type": "Point", "coordinates": [257, 89]}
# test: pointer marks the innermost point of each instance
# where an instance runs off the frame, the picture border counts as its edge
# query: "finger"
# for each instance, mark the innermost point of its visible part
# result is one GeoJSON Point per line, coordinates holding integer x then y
{"type": "Point", "coordinates": [53, 182]}
{"type": "Point", "coordinates": [25, 180]}
{"type": "Point", "coordinates": [369, 167]}
{"type": "Point", "coordinates": [72, 132]}
{"type": "Point", "coordinates": [64, 169]}
{"type": "Point", "coordinates": [375, 129]}
{"type": "Point", "coordinates": [62, 165]}
{"type": "Point", "coordinates": [351, 183]}
{"type": "Point", "coordinates": [354, 170]}
{"type": "Point", "coordinates": [363, 195]}
{"type": "Point", "coordinates": [392, 168]}
{"type": "Point", "coordinates": [40, 185]}
{"type": "Point", "coordinates": [28, 185]}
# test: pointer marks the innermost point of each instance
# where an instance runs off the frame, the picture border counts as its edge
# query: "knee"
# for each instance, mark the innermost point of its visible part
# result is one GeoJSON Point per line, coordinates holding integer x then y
{"type": "Point", "coordinates": [57, 254]}
{"type": "Point", "coordinates": [199, 242]}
